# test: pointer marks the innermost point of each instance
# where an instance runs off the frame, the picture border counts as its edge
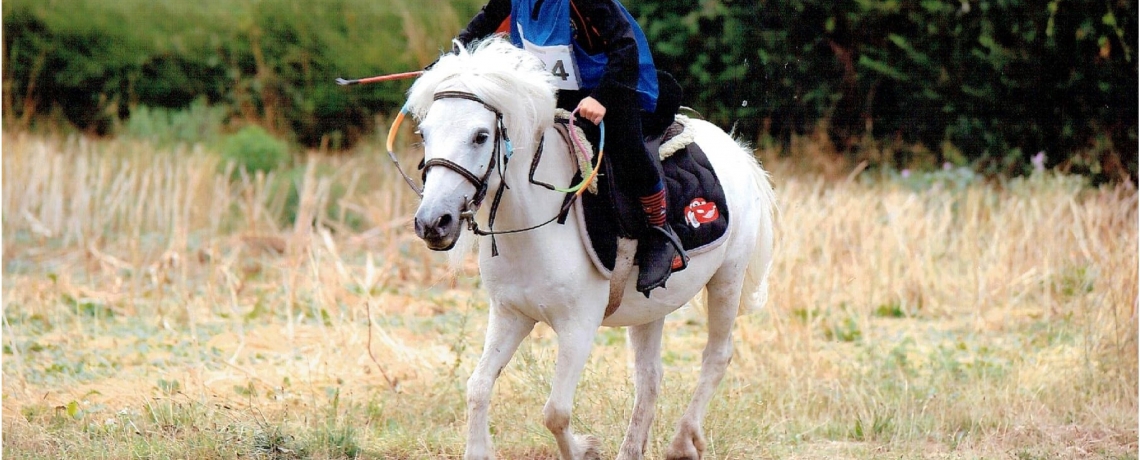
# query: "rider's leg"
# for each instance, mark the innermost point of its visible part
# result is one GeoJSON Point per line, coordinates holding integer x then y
{"type": "Point", "coordinates": [639, 174]}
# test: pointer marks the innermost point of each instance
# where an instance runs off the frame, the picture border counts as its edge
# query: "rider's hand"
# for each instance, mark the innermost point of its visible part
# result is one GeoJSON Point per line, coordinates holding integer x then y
{"type": "Point", "coordinates": [592, 110]}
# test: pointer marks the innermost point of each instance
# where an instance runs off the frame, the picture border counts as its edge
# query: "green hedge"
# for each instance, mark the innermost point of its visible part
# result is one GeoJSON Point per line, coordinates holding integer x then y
{"type": "Point", "coordinates": [998, 80]}
{"type": "Point", "coordinates": [988, 83]}
{"type": "Point", "coordinates": [271, 62]}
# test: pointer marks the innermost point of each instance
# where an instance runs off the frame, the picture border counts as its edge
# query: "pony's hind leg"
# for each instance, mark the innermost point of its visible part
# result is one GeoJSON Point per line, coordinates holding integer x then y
{"type": "Point", "coordinates": [646, 343]}
{"type": "Point", "coordinates": [504, 333]}
{"type": "Point", "coordinates": [723, 303]}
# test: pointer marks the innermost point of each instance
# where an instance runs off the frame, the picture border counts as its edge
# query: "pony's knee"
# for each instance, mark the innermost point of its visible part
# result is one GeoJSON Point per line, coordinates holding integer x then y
{"type": "Point", "coordinates": [556, 417]}
{"type": "Point", "coordinates": [478, 392]}
{"type": "Point", "coordinates": [654, 373]}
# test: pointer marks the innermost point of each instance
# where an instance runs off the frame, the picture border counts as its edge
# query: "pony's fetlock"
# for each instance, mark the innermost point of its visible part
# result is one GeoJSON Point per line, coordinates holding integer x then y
{"type": "Point", "coordinates": [591, 447]}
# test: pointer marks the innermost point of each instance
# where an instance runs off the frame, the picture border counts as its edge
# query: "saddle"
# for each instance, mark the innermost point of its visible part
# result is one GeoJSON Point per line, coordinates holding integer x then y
{"type": "Point", "coordinates": [697, 207]}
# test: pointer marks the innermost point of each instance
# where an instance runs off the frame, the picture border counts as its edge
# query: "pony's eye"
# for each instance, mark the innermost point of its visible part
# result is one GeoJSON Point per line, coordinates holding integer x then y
{"type": "Point", "coordinates": [480, 138]}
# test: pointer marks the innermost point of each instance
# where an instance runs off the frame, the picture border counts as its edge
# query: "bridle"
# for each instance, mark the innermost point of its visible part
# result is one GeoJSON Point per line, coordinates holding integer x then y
{"type": "Point", "coordinates": [471, 205]}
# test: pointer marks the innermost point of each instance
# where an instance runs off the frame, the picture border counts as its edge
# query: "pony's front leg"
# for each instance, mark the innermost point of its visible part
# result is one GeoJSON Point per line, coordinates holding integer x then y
{"type": "Point", "coordinates": [646, 343]}
{"type": "Point", "coordinates": [574, 344]}
{"type": "Point", "coordinates": [505, 330]}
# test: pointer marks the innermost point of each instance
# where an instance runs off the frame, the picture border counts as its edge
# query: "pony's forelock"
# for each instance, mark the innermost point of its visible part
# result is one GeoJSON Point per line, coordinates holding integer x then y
{"type": "Point", "coordinates": [503, 76]}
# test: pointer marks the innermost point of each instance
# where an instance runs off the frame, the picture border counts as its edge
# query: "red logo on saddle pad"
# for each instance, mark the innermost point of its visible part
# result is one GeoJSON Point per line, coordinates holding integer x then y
{"type": "Point", "coordinates": [701, 212]}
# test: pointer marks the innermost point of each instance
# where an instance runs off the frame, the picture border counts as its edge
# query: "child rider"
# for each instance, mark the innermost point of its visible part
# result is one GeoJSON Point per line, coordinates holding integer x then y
{"type": "Point", "coordinates": [601, 65]}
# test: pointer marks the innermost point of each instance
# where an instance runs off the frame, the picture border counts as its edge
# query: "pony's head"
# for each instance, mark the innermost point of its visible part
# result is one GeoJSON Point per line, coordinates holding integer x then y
{"type": "Point", "coordinates": [468, 105]}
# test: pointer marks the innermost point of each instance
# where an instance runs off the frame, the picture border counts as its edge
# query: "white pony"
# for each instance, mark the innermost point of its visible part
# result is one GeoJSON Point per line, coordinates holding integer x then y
{"type": "Point", "coordinates": [544, 274]}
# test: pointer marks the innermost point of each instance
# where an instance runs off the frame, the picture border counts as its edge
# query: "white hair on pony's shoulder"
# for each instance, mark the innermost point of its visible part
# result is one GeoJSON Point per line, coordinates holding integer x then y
{"type": "Point", "coordinates": [502, 75]}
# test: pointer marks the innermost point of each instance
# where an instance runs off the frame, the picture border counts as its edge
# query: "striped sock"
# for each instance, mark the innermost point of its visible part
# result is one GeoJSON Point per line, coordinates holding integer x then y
{"type": "Point", "coordinates": [654, 208]}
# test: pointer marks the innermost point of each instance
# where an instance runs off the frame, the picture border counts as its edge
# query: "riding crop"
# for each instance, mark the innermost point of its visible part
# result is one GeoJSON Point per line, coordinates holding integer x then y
{"type": "Point", "coordinates": [380, 78]}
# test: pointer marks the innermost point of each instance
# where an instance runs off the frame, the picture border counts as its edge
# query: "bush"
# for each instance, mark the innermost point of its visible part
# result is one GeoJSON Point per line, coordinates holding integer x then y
{"type": "Point", "coordinates": [997, 80]}
{"type": "Point", "coordinates": [199, 122]}
{"type": "Point", "coordinates": [253, 149]}
{"type": "Point", "coordinates": [1000, 80]}
{"type": "Point", "coordinates": [269, 62]}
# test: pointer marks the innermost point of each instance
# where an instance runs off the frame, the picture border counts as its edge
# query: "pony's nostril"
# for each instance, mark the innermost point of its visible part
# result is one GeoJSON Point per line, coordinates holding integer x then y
{"type": "Point", "coordinates": [443, 221]}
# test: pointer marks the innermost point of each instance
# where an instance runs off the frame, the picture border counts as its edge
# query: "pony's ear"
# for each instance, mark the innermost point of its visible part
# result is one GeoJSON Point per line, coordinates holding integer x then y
{"type": "Point", "coordinates": [458, 48]}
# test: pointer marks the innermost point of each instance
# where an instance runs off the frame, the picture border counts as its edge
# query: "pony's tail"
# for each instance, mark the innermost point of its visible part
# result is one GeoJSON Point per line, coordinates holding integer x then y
{"type": "Point", "coordinates": [755, 293]}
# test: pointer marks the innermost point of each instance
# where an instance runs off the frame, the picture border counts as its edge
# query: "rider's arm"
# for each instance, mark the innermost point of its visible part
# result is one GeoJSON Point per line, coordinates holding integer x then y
{"type": "Point", "coordinates": [602, 27]}
{"type": "Point", "coordinates": [486, 22]}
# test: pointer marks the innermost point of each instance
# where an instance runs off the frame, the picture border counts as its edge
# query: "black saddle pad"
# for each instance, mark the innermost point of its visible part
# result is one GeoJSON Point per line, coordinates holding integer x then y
{"type": "Point", "coordinates": [698, 211]}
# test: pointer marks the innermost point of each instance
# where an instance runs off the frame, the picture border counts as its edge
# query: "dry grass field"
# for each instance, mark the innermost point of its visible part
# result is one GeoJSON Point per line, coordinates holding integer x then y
{"type": "Point", "coordinates": [159, 306]}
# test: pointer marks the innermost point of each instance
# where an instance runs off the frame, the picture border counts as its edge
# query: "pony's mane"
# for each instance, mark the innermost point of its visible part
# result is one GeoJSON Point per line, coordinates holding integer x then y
{"type": "Point", "coordinates": [503, 76]}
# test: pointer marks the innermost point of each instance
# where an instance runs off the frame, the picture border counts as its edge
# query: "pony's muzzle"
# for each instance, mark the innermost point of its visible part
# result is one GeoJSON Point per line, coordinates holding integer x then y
{"type": "Point", "coordinates": [440, 232]}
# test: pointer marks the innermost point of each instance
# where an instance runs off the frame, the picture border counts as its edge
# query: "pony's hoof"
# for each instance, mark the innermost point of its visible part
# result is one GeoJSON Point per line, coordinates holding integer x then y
{"type": "Point", "coordinates": [688, 445]}
{"type": "Point", "coordinates": [691, 454]}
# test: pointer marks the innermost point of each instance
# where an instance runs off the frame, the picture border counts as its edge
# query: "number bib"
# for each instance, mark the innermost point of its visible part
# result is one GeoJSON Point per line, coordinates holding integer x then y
{"type": "Point", "coordinates": [559, 61]}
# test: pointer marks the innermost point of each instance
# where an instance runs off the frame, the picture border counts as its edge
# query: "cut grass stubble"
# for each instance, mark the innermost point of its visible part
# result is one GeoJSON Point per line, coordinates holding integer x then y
{"type": "Point", "coordinates": [155, 307]}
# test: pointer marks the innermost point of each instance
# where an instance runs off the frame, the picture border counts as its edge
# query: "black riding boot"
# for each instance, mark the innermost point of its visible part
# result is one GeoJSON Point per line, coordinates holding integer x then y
{"type": "Point", "coordinates": [659, 251]}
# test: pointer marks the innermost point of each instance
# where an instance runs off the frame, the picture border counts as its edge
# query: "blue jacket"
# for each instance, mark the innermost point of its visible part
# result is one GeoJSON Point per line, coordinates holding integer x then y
{"type": "Point", "coordinates": [609, 47]}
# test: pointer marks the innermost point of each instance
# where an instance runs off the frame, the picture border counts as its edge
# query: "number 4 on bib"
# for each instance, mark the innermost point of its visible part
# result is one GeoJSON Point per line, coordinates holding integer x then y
{"type": "Point", "coordinates": [559, 70]}
{"type": "Point", "coordinates": [559, 60]}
